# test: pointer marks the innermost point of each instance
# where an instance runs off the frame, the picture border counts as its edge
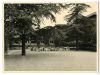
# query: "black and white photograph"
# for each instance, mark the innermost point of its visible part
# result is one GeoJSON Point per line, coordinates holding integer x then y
{"type": "Point", "coordinates": [50, 36]}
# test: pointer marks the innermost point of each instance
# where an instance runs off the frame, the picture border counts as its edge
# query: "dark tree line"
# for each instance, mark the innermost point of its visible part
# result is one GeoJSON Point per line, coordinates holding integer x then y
{"type": "Point", "coordinates": [81, 37]}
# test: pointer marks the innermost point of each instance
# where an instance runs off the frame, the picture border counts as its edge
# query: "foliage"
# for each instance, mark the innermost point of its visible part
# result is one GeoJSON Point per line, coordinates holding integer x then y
{"type": "Point", "coordinates": [80, 28]}
{"type": "Point", "coordinates": [23, 16]}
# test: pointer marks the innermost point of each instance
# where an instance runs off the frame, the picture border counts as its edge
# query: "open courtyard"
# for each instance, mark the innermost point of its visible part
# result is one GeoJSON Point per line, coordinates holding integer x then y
{"type": "Point", "coordinates": [51, 61]}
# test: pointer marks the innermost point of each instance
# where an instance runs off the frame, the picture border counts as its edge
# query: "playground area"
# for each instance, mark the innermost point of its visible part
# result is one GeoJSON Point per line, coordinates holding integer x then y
{"type": "Point", "coordinates": [50, 61]}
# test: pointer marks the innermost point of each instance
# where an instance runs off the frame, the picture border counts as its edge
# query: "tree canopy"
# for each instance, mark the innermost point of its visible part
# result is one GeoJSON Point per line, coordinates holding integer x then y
{"type": "Point", "coordinates": [22, 16]}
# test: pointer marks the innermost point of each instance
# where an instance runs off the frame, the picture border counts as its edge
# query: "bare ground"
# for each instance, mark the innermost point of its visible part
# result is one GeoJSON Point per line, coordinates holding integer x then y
{"type": "Point", "coordinates": [51, 61]}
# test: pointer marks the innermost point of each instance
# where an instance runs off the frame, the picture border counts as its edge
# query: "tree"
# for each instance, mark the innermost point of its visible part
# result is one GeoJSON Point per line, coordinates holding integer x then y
{"type": "Point", "coordinates": [55, 34]}
{"type": "Point", "coordinates": [74, 20]}
{"type": "Point", "coordinates": [23, 16]}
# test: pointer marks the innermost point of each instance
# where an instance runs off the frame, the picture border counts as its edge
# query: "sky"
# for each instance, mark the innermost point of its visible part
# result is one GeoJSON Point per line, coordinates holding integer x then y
{"type": "Point", "coordinates": [60, 17]}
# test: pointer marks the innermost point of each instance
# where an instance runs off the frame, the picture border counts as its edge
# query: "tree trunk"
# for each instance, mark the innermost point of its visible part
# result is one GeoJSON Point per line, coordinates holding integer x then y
{"type": "Point", "coordinates": [30, 41]}
{"type": "Point", "coordinates": [77, 42]}
{"type": "Point", "coordinates": [6, 46]}
{"type": "Point", "coordinates": [38, 43]}
{"type": "Point", "coordinates": [23, 45]}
